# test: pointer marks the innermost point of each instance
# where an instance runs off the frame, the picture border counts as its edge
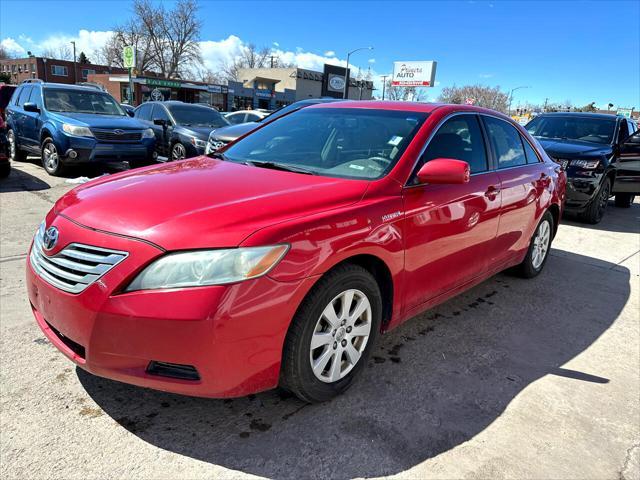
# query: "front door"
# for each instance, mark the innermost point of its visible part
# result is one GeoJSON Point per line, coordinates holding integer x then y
{"type": "Point", "coordinates": [162, 131]}
{"type": "Point", "coordinates": [450, 229]}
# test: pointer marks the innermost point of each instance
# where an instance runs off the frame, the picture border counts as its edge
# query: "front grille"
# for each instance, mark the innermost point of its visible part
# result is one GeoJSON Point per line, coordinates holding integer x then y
{"type": "Point", "coordinates": [215, 145]}
{"type": "Point", "coordinates": [173, 370]}
{"type": "Point", "coordinates": [75, 267]}
{"type": "Point", "coordinates": [117, 135]}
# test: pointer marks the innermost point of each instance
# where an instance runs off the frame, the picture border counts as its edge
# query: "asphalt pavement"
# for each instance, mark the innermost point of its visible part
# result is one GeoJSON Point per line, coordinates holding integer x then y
{"type": "Point", "coordinates": [526, 379]}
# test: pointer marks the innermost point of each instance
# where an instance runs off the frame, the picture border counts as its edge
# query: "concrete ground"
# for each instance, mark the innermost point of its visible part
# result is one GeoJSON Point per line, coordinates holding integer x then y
{"type": "Point", "coordinates": [526, 379]}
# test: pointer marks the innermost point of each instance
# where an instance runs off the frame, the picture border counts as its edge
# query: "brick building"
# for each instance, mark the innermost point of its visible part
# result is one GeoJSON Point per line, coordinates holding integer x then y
{"type": "Point", "coordinates": [52, 70]}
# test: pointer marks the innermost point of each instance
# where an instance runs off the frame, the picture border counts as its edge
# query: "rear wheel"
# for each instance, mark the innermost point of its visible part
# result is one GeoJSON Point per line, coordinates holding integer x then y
{"type": "Point", "coordinates": [5, 169]}
{"type": "Point", "coordinates": [332, 334]}
{"type": "Point", "coordinates": [624, 200]}
{"type": "Point", "coordinates": [15, 154]}
{"type": "Point", "coordinates": [539, 248]}
{"type": "Point", "coordinates": [51, 158]}
{"type": "Point", "coordinates": [595, 211]}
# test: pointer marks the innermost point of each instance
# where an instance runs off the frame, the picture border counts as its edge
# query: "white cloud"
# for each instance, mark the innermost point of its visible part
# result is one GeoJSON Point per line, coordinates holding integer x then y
{"type": "Point", "coordinates": [215, 53]}
{"type": "Point", "coordinates": [485, 75]}
{"type": "Point", "coordinates": [276, 44]}
{"type": "Point", "coordinates": [372, 60]}
{"type": "Point", "coordinates": [13, 47]}
{"type": "Point", "coordinates": [329, 53]}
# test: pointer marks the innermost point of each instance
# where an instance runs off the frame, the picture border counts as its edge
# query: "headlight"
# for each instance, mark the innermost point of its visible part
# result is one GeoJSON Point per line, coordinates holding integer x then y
{"type": "Point", "coordinates": [208, 267]}
{"type": "Point", "coordinates": [198, 143]}
{"type": "Point", "coordinates": [148, 133]}
{"type": "Point", "coordinates": [76, 130]}
{"type": "Point", "coordinates": [588, 164]}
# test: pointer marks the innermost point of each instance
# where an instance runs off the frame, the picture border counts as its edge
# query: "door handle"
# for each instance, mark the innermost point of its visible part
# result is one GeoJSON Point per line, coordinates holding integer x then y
{"type": "Point", "coordinates": [492, 192]}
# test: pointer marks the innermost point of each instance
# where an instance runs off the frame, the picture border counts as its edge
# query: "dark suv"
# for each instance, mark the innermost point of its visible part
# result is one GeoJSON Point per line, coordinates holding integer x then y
{"type": "Point", "coordinates": [71, 124]}
{"type": "Point", "coordinates": [600, 153]}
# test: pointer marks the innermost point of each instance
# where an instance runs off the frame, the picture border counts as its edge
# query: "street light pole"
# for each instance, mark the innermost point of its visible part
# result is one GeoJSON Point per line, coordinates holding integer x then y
{"type": "Point", "coordinates": [345, 91]}
{"type": "Point", "coordinates": [511, 97]}
{"type": "Point", "coordinates": [75, 68]}
{"type": "Point", "coordinates": [384, 84]}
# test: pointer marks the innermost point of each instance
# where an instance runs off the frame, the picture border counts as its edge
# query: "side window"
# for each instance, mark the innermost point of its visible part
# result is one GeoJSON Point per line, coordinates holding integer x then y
{"type": "Point", "coordinates": [16, 96]}
{"type": "Point", "coordinates": [24, 95]}
{"type": "Point", "coordinates": [159, 113]}
{"type": "Point", "coordinates": [144, 112]}
{"type": "Point", "coordinates": [251, 117]}
{"type": "Point", "coordinates": [532, 156]}
{"type": "Point", "coordinates": [623, 131]}
{"type": "Point", "coordinates": [236, 118]}
{"type": "Point", "coordinates": [506, 143]}
{"type": "Point", "coordinates": [632, 128]}
{"type": "Point", "coordinates": [459, 137]}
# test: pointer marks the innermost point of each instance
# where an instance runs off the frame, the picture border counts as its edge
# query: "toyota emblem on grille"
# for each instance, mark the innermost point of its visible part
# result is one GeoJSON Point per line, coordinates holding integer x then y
{"type": "Point", "coordinates": [118, 132]}
{"type": "Point", "coordinates": [50, 238]}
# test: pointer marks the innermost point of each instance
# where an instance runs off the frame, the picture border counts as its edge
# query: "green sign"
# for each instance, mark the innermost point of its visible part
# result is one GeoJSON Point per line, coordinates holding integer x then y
{"type": "Point", "coordinates": [129, 57]}
{"type": "Point", "coordinates": [625, 112]}
{"type": "Point", "coordinates": [158, 82]}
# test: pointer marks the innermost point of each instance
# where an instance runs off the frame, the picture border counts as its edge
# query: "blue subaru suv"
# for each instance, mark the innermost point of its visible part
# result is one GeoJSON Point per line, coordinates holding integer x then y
{"type": "Point", "coordinates": [71, 125]}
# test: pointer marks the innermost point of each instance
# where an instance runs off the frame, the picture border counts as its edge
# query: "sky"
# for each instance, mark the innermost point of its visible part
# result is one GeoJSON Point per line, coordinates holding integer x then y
{"type": "Point", "coordinates": [574, 51]}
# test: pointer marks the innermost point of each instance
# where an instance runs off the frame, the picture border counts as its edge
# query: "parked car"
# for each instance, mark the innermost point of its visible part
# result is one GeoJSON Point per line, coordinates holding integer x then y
{"type": "Point", "coordinates": [72, 125]}
{"type": "Point", "coordinates": [222, 136]}
{"type": "Point", "coordinates": [5, 95]}
{"type": "Point", "coordinates": [5, 164]}
{"type": "Point", "coordinates": [281, 260]}
{"type": "Point", "coordinates": [244, 116]}
{"type": "Point", "coordinates": [129, 109]}
{"type": "Point", "coordinates": [181, 129]}
{"type": "Point", "coordinates": [597, 154]}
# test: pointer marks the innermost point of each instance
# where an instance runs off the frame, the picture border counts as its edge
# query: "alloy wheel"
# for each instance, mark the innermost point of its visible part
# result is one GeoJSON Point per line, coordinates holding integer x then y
{"type": "Point", "coordinates": [12, 145]}
{"type": "Point", "coordinates": [603, 199]}
{"type": "Point", "coordinates": [178, 152]}
{"type": "Point", "coordinates": [340, 336]}
{"type": "Point", "coordinates": [50, 157]}
{"type": "Point", "coordinates": [541, 244]}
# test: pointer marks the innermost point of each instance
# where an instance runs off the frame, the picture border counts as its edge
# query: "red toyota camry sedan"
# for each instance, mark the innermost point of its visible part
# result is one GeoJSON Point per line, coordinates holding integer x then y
{"type": "Point", "coordinates": [281, 259]}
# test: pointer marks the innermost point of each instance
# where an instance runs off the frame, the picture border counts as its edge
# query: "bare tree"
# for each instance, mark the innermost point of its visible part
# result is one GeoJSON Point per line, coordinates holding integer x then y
{"type": "Point", "coordinates": [404, 94]}
{"type": "Point", "coordinates": [4, 53]}
{"type": "Point", "coordinates": [251, 56]}
{"type": "Point", "coordinates": [172, 34]}
{"type": "Point", "coordinates": [481, 95]}
{"type": "Point", "coordinates": [61, 52]}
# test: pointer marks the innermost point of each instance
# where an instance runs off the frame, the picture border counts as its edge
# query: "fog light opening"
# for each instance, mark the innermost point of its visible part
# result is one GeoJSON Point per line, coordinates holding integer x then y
{"type": "Point", "coordinates": [173, 370]}
{"type": "Point", "coordinates": [71, 153]}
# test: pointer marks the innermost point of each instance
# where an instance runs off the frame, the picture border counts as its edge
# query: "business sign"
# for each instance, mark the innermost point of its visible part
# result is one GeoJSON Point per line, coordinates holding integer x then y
{"type": "Point", "coordinates": [129, 56]}
{"type": "Point", "coordinates": [470, 101]}
{"type": "Point", "coordinates": [624, 112]}
{"type": "Point", "coordinates": [414, 74]}
{"type": "Point", "coordinates": [157, 95]}
{"type": "Point", "coordinates": [333, 81]}
{"type": "Point", "coordinates": [159, 82]}
{"type": "Point", "coordinates": [264, 93]}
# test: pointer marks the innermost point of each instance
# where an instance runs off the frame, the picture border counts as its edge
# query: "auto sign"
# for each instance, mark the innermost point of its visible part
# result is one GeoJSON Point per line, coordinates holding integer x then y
{"type": "Point", "coordinates": [414, 74]}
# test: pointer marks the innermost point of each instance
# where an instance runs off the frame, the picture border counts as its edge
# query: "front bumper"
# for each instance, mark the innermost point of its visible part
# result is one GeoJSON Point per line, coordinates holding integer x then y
{"type": "Point", "coordinates": [89, 150]}
{"type": "Point", "coordinates": [233, 335]}
{"type": "Point", "coordinates": [581, 190]}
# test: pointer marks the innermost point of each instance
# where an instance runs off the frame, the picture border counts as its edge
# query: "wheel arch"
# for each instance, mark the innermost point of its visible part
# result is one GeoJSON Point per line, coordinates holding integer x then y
{"type": "Point", "coordinates": [554, 209]}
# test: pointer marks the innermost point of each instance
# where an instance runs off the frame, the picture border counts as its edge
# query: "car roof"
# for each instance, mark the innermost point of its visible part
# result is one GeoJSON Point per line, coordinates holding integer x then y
{"type": "Point", "coordinates": [579, 114]}
{"type": "Point", "coordinates": [66, 86]}
{"type": "Point", "coordinates": [407, 106]}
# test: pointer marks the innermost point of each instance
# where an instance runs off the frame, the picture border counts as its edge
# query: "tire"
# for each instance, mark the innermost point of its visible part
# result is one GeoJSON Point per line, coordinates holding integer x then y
{"type": "Point", "coordinates": [624, 200]}
{"type": "Point", "coordinates": [310, 323]}
{"type": "Point", "coordinates": [595, 211]}
{"type": "Point", "coordinates": [51, 158]}
{"type": "Point", "coordinates": [15, 154]}
{"type": "Point", "coordinates": [178, 152]}
{"type": "Point", "coordinates": [5, 169]}
{"type": "Point", "coordinates": [540, 244]}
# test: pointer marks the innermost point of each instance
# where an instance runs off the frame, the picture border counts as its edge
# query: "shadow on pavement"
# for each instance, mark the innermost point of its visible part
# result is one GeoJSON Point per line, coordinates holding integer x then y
{"type": "Point", "coordinates": [432, 384]}
{"type": "Point", "coordinates": [19, 181]}
{"type": "Point", "coordinates": [615, 219]}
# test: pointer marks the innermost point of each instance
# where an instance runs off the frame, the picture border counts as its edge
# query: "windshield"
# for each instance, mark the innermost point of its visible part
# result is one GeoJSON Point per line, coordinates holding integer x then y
{"type": "Point", "coordinates": [335, 142]}
{"type": "Point", "coordinates": [594, 130]}
{"type": "Point", "coordinates": [195, 116]}
{"type": "Point", "coordinates": [81, 101]}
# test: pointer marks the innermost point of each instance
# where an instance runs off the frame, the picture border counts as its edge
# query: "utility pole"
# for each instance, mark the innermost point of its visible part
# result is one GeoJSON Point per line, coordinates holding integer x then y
{"type": "Point", "coordinates": [345, 91]}
{"type": "Point", "coordinates": [75, 69]}
{"type": "Point", "coordinates": [272, 57]}
{"type": "Point", "coordinates": [384, 84]}
{"type": "Point", "coordinates": [546, 100]}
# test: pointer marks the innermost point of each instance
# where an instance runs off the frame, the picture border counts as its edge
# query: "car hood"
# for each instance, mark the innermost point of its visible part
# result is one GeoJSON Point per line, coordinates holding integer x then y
{"type": "Point", "coordinates": [199, 132]}
{"type": "Point", "coordinates": [573, 148]}
{"type": "Point", "coordinates": [202, 202]}
{"type": "Point", "coordinates": [230, 133]}
{"type": "Point", "coordinates": [100, 121]}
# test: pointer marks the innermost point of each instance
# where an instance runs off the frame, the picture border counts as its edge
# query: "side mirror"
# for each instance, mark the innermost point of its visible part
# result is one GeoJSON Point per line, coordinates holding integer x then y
{"type": "Point", "coordinates": [159, 121]}
{"type": "Point", "coordinates": [31, 107]}
{"type": "Point", "coordinates": [130, 113]}
{"type": "Point", "coordinates": [444, 171]}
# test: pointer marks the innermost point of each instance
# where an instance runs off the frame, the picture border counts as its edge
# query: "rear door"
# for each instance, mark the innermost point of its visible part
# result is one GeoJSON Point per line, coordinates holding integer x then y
{"type": "Point", "coordinates": [524, 183]}
{"type": "Point", "coordinates": [450, 229]}
{"type": "Point", "coordinates": [163, 133]}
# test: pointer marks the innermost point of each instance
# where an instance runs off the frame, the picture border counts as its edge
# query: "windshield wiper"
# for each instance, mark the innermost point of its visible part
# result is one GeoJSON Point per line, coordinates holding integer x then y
{"type": "Point", "coordinates": [280, 166]}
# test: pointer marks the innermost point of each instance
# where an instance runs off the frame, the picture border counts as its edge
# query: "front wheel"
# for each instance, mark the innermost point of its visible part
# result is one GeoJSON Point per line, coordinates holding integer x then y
{"type": "Point", "coordinates": [51, 158]}
{"type": "Point", "coordinates": [178, 151]}
{"type": "Point", "coordinates": [595, 211]}
{"type": "Point", "coordinates": [539, 248]}
{"type": "Point", "coordinates": [332, 334]}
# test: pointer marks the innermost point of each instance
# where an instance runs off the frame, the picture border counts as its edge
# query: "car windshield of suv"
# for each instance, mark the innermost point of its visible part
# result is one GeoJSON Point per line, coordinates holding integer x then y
{"type": "Point", "coordinates": [566, 127]}
{"type": "Point", "coordinates": [81, 101]}
{"type": "Point", "coordinates": [195, 116]}
{"type": "Point", "coordinates": [335, 142]}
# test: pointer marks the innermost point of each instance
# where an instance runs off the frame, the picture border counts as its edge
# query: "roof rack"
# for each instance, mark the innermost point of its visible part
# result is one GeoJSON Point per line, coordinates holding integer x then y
{"type": "Point", "coordinates": [91, 84]}
{"type": "Point", "coordinates": [32, 80]}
